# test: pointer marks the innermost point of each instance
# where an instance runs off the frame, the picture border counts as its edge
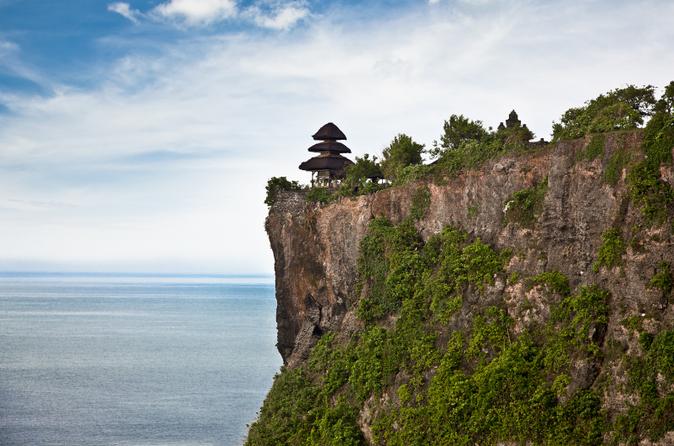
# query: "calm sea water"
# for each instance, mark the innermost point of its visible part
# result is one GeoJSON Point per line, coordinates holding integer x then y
{"type": "Point", "coordinates": [105, 360]}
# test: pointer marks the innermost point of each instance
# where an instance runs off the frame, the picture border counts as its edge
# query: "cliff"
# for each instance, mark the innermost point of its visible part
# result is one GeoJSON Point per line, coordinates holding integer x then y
{"type": "Point", "coordinates": [557, 224]}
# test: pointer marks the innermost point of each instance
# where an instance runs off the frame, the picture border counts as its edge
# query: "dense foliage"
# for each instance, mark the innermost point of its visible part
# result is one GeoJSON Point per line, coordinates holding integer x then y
{"type": "Point", "coordinates": [321, 195]}
{"type": "Point", "coordinates": [277, 184]}
{"type": "Point", "coordinates": [458, 130]}
{"type": "Point", "coordinates": [451, 369]}
{"type": "Point", "coordinates": [619, 109]}
{"type": "Point", "coordinates": [652, 375]}
{"type": "Point", "coordinates": [466, 144]}
{"type": "Point", "coordinates": [611, 250]}
{"type": "Point", "coordinates": [402, 152]}
{"type": "Point", "coordinates": [525, 205]}
{"type": "Point", "coordinates": [358, 179]}
{"type": "Point", "coordinates": [440, 359]}
{"type": "Point", "coordinates": [654, 195]}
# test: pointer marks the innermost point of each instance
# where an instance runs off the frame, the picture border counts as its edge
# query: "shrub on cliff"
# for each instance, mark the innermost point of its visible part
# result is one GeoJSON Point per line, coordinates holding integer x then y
{"type": "Point", "coordinates": [611, 250]}
{"type": "Point", "coordinates": [438, 359]}
{"type": "Point", "coordinates": [322, 195]}
{"type": "Point", "coordinates": [654, 195]}
{"type": "Point", "coordinates": [403, 151]}
{"type": "Point", "coordinates": [619, 109]}
{"type": "Point", "coordinates": [466, 144]}
{"type": "Point", "coordinates": [277, 184]}
{"type": "Point", "coordinates": [357, 180]}
{"type": "Point", "coordinates": [525, 205]}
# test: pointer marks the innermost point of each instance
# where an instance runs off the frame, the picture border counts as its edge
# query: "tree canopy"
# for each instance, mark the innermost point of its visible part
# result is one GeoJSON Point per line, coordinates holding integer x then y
{"type": "Point", "coordinates": [459, 129]}
{"type": "Point", "coordinates": [619, 109]}
{"type": "Point", "coordinates": [403, 151]}
{"type": "Point", "coordinates": [357, 175]}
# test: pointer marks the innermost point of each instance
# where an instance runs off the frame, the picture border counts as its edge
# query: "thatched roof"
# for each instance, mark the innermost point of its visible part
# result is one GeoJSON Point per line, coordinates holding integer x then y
{"type": "Point", "coordinates": [329, 146]}
{"type": "Point", "coordinates": [326, 162]}
{"type": "Point", "coordinates": [329, 132]}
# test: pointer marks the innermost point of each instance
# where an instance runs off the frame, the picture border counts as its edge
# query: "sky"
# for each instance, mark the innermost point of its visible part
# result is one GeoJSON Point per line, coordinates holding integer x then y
{"type": "Point", "coordinates": [138, 136]}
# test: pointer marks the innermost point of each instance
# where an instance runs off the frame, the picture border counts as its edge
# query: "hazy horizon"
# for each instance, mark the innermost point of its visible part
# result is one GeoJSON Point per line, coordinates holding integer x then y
{"type": "Point", "coordinates": [131, 274]}
{"type": "Point", "coordinates": [139, 135]}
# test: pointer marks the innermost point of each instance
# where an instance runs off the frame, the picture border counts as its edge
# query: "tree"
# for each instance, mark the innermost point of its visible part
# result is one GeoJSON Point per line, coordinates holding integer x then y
{"type": "Point", "coordinates": [457, 130]}
{"type": "Point", "coordinates": [666, 102]}
{"type": "Point", "coordinates": [357, 175]}
{"type": "Point", "coordinates": [619, 109]}
{"type": "Point", "coordinates": [403, 151]}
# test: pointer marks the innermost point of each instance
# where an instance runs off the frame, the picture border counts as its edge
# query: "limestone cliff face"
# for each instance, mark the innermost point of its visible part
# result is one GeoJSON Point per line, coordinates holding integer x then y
{"type": "Point", "coordinates": [316, 246]}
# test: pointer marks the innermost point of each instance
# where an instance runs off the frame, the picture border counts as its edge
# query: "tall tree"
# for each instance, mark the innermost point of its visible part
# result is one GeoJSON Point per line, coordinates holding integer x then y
{"type": "Point", "coordinates": [403, 151]}
{"type": "Point", "coordinates": [619, 109]}
{"type": "Point", "coordinates": [459, 129]}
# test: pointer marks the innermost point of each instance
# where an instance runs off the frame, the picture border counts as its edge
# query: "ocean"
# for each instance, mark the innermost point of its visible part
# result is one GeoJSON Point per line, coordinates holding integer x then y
{"type": "Point", "coordinates": [133, 360]}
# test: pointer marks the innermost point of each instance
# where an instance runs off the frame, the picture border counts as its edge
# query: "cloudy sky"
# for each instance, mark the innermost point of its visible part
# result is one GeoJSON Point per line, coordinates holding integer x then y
{"type": "Point", "coordinates": [139, 135]}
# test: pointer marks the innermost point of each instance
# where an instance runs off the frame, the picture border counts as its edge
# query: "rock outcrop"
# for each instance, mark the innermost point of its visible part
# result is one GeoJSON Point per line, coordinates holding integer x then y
{"type": "Point", "coordinates": [583, 201]}
{"type": "Point", "coordinates": [316, 246]}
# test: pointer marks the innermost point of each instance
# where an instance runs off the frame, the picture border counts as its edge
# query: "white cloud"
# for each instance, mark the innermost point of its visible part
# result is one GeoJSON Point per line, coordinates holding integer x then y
{"type": "Point", "coordinates": [196, 12]}
{"type": "Point", "coordinates": [282, 17]}
{"type": "Point", "coordinates": [124, 9]}
{"type": "Point", "coordinates": [256, 99]}
{"type": "Point", "coordinates": [11, 62]}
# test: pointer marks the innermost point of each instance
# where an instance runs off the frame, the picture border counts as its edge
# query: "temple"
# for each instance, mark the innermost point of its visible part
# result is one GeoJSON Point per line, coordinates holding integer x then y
{"type": "Point", "coordinates": [512, 122]}
{"type": "Point", "coordinates": [514, 130]}
{"type": "Point", "coordinates": [327, 169]}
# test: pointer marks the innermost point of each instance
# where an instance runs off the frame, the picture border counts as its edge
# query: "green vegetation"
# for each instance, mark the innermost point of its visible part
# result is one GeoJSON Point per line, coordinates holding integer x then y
{"type": "Point", "coordinates": [470, 154]}
{"type": "Point", "coordinates": [392, 263]}
{"type": "Point", "coordinates": [595, 147]}
{"type": "Point", "coordinates": [457, 131]}
{"type": "Point", "coordinates": [615, 165]}
{"type": "Point", "coordinates": [277, 184]}
{"type": "Point", "coordinates": [651, 376]}
{"type": "Point", "coordinates": [663, 279]}
{"type": "Point", "coordinates": [515, 136]}
{"type": "Point", "coordinates": [402, 152]}
{"type": "Point", "coordinates": [357, 180]}
{"type": "Point", "coordinates": [321, 195]}
{"type": "Point", "coordinates": [619, 109]}
{"type": "Point", "coordinates": [439, 360]}
{"type": "Point", "coordinates": [389, 263]}
{"type": "Point", "coordinates": [648, 190]}
{"type": "Point", "coordinates": [464, 144]}
{"type": "Point", "coordinates": [525, 205]}
{"type": "Point", "coordinates": [611, 250]}
{"type": "Point", "coordinates": [452, 368]}
{"type": "Point", "coordinates": [467, 144]}
{"type": "Point", "coordinates": [421, 200]}
{"type": "Point", "coordinates": [555, 281]}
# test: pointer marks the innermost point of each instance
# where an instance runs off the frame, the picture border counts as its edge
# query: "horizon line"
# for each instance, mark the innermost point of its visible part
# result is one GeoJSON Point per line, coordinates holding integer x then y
{"type": "Point", "coordinates": [134, 274]}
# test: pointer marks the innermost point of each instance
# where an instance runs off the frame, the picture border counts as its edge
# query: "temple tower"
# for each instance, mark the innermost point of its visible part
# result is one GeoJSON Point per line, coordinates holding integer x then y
{"type": "Point", "coordinates": [327, 169]}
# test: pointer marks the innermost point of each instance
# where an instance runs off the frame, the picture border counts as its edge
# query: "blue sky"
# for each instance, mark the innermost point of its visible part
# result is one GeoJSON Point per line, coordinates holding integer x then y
{"type": "Point", "coordinates": [139, 135]}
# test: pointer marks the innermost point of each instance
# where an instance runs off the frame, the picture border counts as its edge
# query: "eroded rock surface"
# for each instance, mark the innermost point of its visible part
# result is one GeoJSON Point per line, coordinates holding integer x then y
{"type": "Point", "coordinates": [316, 246]}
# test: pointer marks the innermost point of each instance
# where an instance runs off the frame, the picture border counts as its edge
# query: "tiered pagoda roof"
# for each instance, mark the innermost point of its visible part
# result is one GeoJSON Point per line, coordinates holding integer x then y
{"type": "Point", "coordinates": [330, 164]}
{"type": "Point", "coordinates": [329, 146]}
{"type": "Point", "coordinates": [329, 132]}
